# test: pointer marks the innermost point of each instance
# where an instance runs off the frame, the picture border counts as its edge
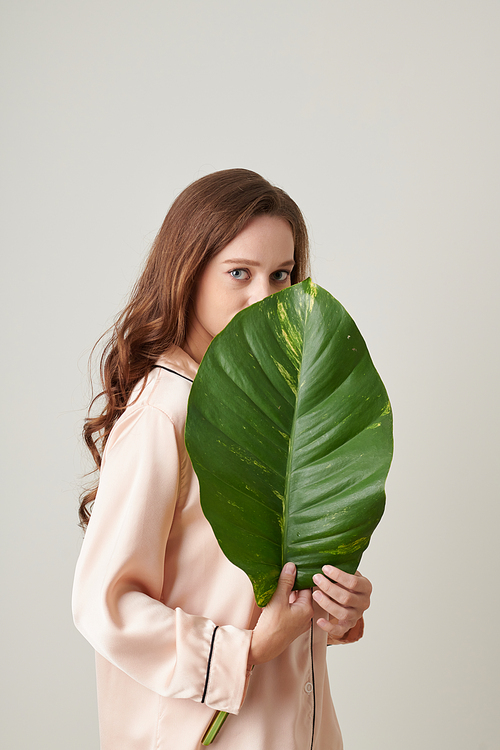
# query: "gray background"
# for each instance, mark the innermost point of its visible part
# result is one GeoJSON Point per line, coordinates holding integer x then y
{"type": "Point", "coordinates": [381, 119]}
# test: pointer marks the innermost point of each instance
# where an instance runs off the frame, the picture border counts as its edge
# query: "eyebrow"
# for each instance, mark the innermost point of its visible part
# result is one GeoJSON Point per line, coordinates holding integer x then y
{"type": "Point", "coordinates": [248, 262]}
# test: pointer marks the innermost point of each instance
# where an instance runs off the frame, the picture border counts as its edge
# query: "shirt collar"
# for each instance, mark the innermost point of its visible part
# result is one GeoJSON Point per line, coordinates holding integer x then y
{"type": "Point", "coordinates": [177, 359]}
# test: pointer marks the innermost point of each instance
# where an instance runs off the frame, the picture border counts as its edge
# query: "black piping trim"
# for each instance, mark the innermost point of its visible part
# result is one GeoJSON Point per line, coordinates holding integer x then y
{"type": "Point", "coordinates": [209, 655]}
{"type": "Point", "coordinates": [314, 686]}
{"type": "Point", "coordinates": [175, 373]}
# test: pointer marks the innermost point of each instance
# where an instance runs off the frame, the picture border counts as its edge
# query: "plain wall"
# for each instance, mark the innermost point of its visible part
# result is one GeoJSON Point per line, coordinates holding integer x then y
{"type": "Point", "coordinates": [381, 119]}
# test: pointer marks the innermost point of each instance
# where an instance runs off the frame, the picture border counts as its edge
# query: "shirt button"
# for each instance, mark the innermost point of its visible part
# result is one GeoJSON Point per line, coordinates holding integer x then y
{"type": "Point", "coordinates": [308, 687]}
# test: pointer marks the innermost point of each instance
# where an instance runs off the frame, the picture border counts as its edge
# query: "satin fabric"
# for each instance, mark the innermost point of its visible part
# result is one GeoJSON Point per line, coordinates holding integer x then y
{"type": "Point", "coordinates": [169, 616]}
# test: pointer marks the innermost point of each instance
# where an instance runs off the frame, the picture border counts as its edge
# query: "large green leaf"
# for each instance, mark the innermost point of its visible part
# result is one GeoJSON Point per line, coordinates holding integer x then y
{"type": "Point", "coordinates": [289, 429]}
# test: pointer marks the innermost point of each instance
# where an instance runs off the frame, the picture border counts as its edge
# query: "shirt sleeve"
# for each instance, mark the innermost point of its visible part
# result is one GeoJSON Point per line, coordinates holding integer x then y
{"type": "Point", "coordinates": [120, 574]}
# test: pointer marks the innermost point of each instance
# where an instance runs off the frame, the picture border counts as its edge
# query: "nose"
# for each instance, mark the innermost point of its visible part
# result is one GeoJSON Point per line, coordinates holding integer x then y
{"type": "Point", "coordinates": [261, 289]}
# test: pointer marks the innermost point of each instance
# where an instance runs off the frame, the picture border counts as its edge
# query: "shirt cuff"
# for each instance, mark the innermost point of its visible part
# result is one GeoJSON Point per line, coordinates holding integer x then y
{"type": "Point", "coordinates": [227, 675]}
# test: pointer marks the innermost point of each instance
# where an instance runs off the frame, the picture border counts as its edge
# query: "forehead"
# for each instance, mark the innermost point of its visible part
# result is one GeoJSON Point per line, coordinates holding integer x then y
{"type": "Point", "coordinates": [270, 236]}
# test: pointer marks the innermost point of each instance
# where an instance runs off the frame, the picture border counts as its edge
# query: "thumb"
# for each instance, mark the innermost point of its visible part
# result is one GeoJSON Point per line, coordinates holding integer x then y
{"type": "Point", "coordinates": [286, 580]}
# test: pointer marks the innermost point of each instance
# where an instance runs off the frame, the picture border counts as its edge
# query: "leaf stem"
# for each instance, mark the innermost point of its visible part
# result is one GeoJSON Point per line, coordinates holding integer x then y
{"type": "Point", "coordinates": [213, 728]}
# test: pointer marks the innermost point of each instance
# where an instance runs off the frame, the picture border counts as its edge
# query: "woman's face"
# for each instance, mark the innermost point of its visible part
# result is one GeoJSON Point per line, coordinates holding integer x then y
{"type": "Point", "coordinates": [257, 263]}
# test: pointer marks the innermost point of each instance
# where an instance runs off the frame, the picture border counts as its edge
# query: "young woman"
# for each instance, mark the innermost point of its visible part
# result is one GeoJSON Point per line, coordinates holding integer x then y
{"type": "Point", "coordinates": [174, 624]}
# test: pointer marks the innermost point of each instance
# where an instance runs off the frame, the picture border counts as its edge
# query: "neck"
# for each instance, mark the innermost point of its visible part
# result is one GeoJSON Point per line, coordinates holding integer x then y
{"type": "Point", "coordinates": [197, 340]}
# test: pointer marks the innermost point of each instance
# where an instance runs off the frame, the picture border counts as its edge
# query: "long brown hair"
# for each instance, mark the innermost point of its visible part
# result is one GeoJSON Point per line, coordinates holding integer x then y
{"type": "Point", "coordinates": [202, 220]}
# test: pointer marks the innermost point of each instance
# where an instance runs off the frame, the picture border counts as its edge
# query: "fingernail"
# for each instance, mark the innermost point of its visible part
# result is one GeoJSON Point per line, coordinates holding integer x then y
{"type": "Point", "coordinates": [289, 568]}
{"type": "Point", "coordinates": [317, 578]}
{"type": "Point", "coordinates": [317, 595]}
{"type": "Point", "coordinates": [328, 569]}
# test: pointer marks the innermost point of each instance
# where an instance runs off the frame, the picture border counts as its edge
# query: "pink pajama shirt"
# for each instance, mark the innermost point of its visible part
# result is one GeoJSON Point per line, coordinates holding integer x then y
{"type": "Point", "coordinates": [169, 616]}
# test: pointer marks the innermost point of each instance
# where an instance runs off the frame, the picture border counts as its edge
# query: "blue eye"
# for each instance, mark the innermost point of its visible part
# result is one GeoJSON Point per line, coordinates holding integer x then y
{"type": "Point", "coordinates": [281, 275]}
{"type": "Point", "coordinates": [239, 273]}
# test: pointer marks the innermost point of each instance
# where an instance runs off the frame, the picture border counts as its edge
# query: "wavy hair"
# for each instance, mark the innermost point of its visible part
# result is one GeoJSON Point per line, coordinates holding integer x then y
{"type": "Point", "coordinates": [202, 220]}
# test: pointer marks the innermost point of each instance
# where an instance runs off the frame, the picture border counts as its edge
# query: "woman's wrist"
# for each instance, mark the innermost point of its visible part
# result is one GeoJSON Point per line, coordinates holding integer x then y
{"type": "Point", "coordinates": [256, 654]}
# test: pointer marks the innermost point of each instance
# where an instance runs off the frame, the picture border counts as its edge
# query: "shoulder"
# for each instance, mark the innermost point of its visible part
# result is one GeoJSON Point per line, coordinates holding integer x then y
{"type": "Point", "coordinates": [169, 384]}
{"type": "Point", "coordinates": [158, 404]}
{"type": "Point", "coordinates": [142, 428]}
{"type": "Point", "coordinates": [168, 392]}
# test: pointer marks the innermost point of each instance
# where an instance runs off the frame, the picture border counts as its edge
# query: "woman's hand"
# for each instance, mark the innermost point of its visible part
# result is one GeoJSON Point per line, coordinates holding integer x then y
{"type": "Point", "coordinates": [287, 616]}
{"type": "Point", "coordinates": [345, 598]}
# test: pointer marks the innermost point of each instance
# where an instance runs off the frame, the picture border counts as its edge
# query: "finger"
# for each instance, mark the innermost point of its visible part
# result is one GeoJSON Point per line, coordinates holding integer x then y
{"type": "Point", "coordinates": [339, 594]}
{"type": "Point", "coordinates": [302, 607]}
{"type": "Point", "coordinates": [334, 630]}
{"type": "Point", "coordinates": [356, 583]}
{"type": "Point", "coordinates": [347, 616]}
{"type": "Point", "coordinates": [303, 596]}
{"type": "Point", "coordinates": [332, 626]}
{"type": "Point", "coordinates": [359, 599]}
{"type": "Point", "coordinates": [286, 580]}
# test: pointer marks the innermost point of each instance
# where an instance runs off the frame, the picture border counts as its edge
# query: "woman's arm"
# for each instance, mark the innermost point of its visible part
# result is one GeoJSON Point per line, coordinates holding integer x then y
{"type": "Point", "coordinates": [117, 596]}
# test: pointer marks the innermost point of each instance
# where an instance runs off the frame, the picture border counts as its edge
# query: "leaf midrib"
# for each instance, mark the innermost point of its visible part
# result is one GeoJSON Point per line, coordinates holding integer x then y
{"type": "Point", "coordinates": [286, 493]}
